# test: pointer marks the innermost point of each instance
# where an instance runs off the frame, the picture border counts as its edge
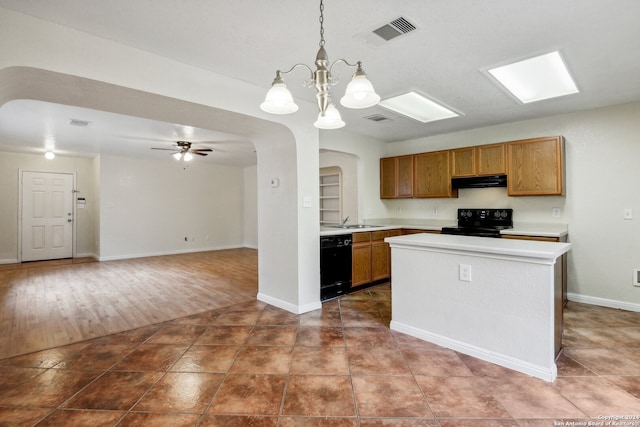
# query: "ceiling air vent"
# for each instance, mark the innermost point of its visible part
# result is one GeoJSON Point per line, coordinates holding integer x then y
{"type": "Point", "coordinates": [389, 31]}
{"type": "Point", "coordinates": [80, 123]}
{"type": "Point", "coordinates": [395, 28]}
{"type": "Point", "coordinates": [378, 118]}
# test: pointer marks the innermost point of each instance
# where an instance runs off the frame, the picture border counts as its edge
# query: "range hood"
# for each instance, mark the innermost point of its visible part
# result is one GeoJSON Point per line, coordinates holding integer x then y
{"type": "Point", "coordinates": [479, 181]}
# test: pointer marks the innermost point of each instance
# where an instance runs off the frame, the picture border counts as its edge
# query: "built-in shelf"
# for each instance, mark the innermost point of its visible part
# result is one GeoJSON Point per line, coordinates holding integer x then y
{"type": "Point", "coordinates": [330, 198]}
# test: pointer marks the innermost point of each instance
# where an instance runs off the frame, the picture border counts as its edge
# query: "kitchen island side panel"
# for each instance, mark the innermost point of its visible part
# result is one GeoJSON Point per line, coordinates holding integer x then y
{"type": "Point", "coordinates": [504, 315]}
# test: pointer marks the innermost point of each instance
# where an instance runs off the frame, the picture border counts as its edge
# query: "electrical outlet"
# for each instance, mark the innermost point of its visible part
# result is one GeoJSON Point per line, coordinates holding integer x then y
{"type": "Point", "coordinates": [435, 211]}
{"type": "Point", "coordinates": [636, 277]}
{"type": "Point", "coordinates": [464, 272]}
{"type": "Point", "coordinates": [627, 214]}
{"type": "Point", "coordinates": [555, 212]}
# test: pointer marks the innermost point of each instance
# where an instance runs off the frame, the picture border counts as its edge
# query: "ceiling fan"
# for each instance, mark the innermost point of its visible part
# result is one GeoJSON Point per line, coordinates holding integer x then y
{"type": "Point", "coordinates": [184, 151]}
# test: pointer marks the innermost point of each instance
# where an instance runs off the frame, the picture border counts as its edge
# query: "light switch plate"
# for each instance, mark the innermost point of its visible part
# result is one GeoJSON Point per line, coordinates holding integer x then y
{"type": "Point", "coordinates": [627, 214]}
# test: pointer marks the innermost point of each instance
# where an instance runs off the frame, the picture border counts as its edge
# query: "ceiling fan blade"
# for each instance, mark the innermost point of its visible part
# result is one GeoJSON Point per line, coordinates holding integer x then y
{"type": "Point", "coordinates": [199, 153]}
{"type": "Point", "coordinates": [193, 150]}
{"type": "Point", "coordinates": [168, 149]}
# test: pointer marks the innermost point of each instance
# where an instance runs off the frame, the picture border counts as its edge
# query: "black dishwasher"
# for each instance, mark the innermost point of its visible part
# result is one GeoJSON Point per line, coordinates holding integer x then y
{"type": "Point", "coordinates": [335, 266]}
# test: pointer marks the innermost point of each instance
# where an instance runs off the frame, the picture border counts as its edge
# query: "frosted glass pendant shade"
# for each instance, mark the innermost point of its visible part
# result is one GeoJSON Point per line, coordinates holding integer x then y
{"type": "Point", "coordinates": [360, 93]}
{"type": "Point", "coordinates": [177, 156]}
{"type": "Point", "coordinates": [187, 156]}
{"type": "Point", "coordinates": [279, 100]}
{"type": "Point", "coordinates": [330, 120]}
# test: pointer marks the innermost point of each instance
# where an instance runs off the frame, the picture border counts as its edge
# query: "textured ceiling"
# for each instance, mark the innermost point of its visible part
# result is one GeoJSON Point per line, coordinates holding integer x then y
{"type": "Point", "coordinates": [444, 58]}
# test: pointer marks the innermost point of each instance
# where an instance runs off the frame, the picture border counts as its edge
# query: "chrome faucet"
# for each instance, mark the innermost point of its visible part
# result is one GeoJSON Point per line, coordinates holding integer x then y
{"type": "Point", "coordinates": [345, 221]}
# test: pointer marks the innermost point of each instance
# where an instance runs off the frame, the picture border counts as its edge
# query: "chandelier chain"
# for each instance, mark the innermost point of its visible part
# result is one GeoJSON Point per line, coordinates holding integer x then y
{"type": "Point", "coordinates": [321, 24]}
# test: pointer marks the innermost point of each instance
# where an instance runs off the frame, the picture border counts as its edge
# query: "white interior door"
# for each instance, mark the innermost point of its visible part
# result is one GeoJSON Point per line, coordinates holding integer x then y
{"type": "Point", "coordinates": [47, 216]}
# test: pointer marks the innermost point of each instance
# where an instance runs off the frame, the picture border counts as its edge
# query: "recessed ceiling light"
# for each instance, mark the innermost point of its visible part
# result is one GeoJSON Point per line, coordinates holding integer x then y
{"type": "Point", "coordinates": [417, 107]}
{"type": "Point", "coordinates": [535, 79]}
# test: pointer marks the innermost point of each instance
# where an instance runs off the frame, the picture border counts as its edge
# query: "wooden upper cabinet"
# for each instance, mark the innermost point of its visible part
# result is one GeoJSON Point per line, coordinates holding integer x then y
{"type": "Point", "coordinates": [463, 161]}
{"type": "Point", "coordinates": [478, 160]}
{"type": "Point", "coordinates": [492, 159]}
{"type": "Point", "coordinates": [396, 177]}
{"type": "Point", "coordinates": [535, 167]}
{"type": "Point", "coordinates": [432, 175]}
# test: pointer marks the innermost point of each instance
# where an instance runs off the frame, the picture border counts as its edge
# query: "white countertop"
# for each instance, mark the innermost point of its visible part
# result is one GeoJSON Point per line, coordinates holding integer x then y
{"type": "Point", "coordinates": [519, 229]}
{"type": "Point", "coordinates": [502, 247]}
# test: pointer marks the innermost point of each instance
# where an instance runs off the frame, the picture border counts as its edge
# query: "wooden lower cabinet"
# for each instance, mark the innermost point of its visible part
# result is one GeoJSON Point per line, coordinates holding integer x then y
{"type": "Point", "coordinates": [361, 259]}
{"type": "Point", "coordinates": [371, 257]}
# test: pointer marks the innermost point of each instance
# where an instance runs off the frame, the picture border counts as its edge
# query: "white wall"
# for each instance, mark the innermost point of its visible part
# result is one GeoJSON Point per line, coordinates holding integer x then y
{"type": "Point", "coordinates": [10, 164]}
{"type": "Point", "coordinates": [149, 207]}
{"type": "Point", "coordinates": [52, 57]}
{"type": "Point", "coordinates": [348, 165]}
{"type": "Point", "coordinates": [251, 207]}
{"type": "Point", "coordinates": [602, 175]}
{"type": "Point", "coordinates": [368, 152]}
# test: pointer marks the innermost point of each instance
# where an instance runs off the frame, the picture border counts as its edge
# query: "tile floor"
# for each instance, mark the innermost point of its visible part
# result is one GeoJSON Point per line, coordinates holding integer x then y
{"type": "Point", "coordinates": [255, 365]}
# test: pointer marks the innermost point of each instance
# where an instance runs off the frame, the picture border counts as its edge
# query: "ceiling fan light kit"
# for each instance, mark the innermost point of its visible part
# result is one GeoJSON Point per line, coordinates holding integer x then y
{"type": "Point", "coordinates": [359, 93]}
{"type": "Point", "coordinates": [183, 151]}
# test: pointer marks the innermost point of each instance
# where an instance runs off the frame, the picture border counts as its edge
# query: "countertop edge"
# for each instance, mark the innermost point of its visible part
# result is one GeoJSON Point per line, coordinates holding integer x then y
{"type": "Point", "coordinates": [508, 247]}
{"type": "Point", "coordinates": [520, 229]}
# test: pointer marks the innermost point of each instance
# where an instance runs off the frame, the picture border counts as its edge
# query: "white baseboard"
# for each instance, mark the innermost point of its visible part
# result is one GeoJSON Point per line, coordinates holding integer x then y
{"type": "Point", "coordinates": [292, 308]}
{"type": "Point", "coordinates": [162, 253]}
{"type": "Point", "coordinates": [546, 373]}
{"type": "Point", "coordinates": [604, 302]}
{"type": "Point", "coordinates": [87, 255]}
{"type": "Point", "coordinates": [9, 261]}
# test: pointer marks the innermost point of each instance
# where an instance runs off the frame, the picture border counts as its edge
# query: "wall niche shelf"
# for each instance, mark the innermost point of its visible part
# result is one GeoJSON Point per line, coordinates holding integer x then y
{"type": "Point", "coordinates": [330, 196]}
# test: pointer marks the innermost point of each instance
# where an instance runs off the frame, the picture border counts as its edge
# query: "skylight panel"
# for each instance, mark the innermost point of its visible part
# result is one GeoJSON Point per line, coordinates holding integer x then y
{"type": "Point", "coordinates": [417, 107]}
{"type": "Point", "coordinates": [536, 79]}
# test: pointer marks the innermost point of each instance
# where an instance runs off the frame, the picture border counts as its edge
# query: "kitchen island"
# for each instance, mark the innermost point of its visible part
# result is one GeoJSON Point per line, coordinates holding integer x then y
{"type": "Point", "coordinates": [499, 300]}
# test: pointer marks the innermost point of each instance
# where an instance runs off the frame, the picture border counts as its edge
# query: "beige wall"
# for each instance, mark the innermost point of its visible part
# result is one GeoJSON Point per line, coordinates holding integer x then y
{"type": "Point", "coordinates": [11, 164]}
{"type": "Point", "coordinates": [602, 149]}
{"type": "Point", "coordinates": [137, 207]}
{"type": "Point", "coordinates": [149, 207]}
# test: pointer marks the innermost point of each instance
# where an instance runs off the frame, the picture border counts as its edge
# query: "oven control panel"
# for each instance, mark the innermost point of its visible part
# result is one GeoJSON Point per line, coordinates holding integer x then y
{"type": "Point", "coordinates": [485, 217]}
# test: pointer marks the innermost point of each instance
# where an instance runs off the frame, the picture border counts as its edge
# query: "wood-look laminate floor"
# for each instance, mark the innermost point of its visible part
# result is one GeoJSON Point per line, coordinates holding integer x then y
{"type": "Point", "coordinates": [49, 304]}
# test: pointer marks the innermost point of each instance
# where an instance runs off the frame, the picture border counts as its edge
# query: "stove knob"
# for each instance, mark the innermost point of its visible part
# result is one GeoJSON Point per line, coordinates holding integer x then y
{"type": "Point", "coordinates": [503, 214]}
{"type": "Point", "coordinates": [469, 214]}
{"type": "Point", "coordinates": [496, 214]}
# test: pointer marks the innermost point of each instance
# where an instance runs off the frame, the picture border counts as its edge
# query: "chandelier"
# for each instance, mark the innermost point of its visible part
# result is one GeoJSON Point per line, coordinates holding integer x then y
{"type": "Point", "coordinates": [359, 92]}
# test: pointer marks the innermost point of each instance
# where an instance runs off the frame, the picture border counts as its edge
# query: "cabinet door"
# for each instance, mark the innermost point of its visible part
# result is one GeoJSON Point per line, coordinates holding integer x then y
{"type": "Point", "coordinates": [380, 262]}
{"type": "Point", "coordinates": [388, 178]}
{"type": "Point", "coordinates": [463, 161]}
{"type": "Point", "coordinates": [361, 264]}
{"type": "Point", "coordinates": [535, 167]}
{"type": "Point", "coordinates": [380, 258]}
{"type": "Point", "coordinates": [396, 177]}
{"type": "Point", "coordinates": [431, 175]}
{"type": "Point", "coordinates": [491, 159]}
{"type": "Point", "coordinates": [404, 168]}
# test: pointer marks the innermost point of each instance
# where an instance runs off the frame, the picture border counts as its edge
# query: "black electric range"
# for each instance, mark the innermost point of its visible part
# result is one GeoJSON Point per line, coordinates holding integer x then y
{"type": "Point", "coordinates": [481, 222]}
